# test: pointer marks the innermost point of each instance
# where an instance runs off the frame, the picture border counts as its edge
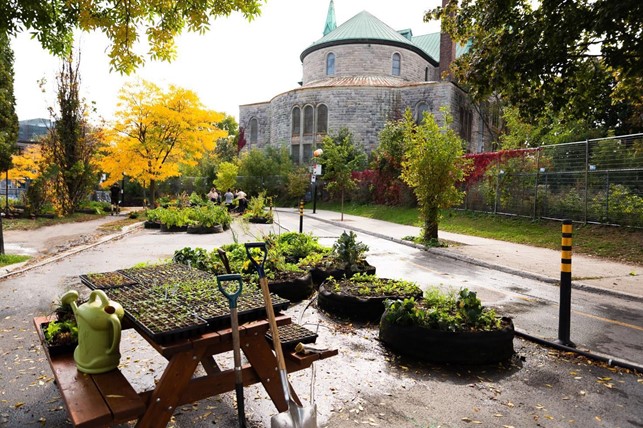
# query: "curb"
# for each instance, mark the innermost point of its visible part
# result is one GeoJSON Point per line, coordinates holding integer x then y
{"type": "Point", "coordinates": [461, 257]}
{"type": "Point", "coordinates": [19, 268]}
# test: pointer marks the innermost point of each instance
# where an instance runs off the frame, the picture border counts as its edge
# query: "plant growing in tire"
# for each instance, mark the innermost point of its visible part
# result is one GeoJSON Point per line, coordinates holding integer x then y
{"type": "Point", "coordinates": [348, 257]}
{"type": "Point", "coordinates": [447, 328]}
{"type": "Point", "coordinates": [361, 297]}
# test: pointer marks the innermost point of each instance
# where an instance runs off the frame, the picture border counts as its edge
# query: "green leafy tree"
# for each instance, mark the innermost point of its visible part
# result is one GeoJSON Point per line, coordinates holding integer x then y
{"type": "Point", "coordinates": [583, 58]}
{"type": "Point", "coordinates": [52, 22]}
{"type": "Point", "coordinates": [389, 189]}
{"type": "Point", "coordinates": [8, 117]}
{"type": "Point", "coordinates": [298, 182]}
{"type": "Point", "coordinates": [341, 157]}
{"type": "Point", "coordinates": [226, 176]}
{"type": "Point", "coordinates": [265, 170]}
{"type": "Point", "coordinates": [433, 164]}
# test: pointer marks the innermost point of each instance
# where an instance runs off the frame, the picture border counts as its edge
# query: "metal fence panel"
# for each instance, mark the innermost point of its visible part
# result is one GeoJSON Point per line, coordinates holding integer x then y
{"type": "Point", "coordinates": [592, 181]}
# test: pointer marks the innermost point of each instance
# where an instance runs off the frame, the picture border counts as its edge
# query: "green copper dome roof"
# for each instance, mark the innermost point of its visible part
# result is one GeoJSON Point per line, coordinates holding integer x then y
{"type": "Point", "coordinates": [364, 28]}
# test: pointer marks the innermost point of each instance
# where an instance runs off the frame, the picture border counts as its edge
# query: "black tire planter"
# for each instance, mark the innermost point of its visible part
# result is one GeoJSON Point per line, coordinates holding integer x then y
{"type": "Point", "coordinates": [201, 230]}
{"type": "Point", "coordinates": [436, 346]}
{"type": "Point", "coordinates": [151, 224]}
{"type": "Point", "coordinates": [295, 290]}
{"type": "Point", "coordinates": [356, 308]}
{"type": "Point", "coordinates": [320, 274]}
{"type": "Point", "coordinates": [260, 220]}
{"type": "Point", "coordinates": [165, 228]}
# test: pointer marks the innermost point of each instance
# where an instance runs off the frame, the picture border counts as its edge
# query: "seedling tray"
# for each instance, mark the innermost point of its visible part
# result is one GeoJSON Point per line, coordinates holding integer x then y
{"type": "Point", "coordinates": [104, 280]}
{"type": "Point", "coordinates": [292, 334]}
{"type": "Point", "coordinates": [169, 303]}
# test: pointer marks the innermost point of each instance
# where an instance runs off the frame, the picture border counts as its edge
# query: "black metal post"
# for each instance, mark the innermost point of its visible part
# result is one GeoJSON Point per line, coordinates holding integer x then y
{"type": "Point", "coordinates": [315, 197]}
{"type": "Point", "coordinates": [301, 216]}
{"type": "Point", "coordinates": [564, 314]}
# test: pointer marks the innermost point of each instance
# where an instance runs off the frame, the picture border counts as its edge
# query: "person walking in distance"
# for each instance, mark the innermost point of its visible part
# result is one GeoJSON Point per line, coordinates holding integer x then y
{"type": "Point", "coordinates": [115, 194]}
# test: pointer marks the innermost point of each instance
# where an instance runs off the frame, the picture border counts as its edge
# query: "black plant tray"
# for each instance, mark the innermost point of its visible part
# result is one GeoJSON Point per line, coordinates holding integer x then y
{"type": "Point", "coordinates": [292, 334]}
{"type": "Point", "coordinates": [104, 280]}
{"type": "Point", "coordinates": [166, 316]}
{"type": "Point", "coordinates": [166, 273]}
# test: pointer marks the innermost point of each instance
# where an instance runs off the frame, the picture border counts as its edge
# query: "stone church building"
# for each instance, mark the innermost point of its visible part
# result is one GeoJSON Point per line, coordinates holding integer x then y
{"type": "Point", "coordinates": [358, 76]}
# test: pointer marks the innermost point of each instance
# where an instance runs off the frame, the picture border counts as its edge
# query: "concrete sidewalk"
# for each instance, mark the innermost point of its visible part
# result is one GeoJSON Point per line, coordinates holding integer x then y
{"type": "Point", "coordinates": [588, 273]}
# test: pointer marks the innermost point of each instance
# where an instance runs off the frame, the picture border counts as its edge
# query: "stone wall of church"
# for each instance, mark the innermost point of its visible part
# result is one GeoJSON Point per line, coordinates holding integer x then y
{"type": "Point", "coordinates": [366, 59]}
{"type": "Point", "coordinates": [363, 110]}
{"type": "Point", "coordinates": [261, 112]}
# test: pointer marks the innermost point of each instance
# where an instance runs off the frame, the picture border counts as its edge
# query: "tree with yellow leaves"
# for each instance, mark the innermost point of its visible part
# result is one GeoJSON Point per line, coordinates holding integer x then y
{"type": "Point", "coordinates": [156, 133]}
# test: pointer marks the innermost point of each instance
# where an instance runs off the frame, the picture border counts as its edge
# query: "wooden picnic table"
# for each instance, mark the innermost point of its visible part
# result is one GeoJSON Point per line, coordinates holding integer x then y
{"type": "Point", "coordinates": [106, 399]}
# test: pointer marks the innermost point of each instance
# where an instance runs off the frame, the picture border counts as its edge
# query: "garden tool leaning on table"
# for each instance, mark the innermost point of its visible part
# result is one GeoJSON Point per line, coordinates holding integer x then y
{"type": "Point", "coordinates": [232, 293]}
{"type": "Point", "coordinates": [296, 416]}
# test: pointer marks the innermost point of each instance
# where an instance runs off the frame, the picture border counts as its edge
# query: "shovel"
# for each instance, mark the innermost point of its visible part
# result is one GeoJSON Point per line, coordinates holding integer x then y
{"type": "Point", "coordinates": [296, 416]}
{"type": "Point", "coordinates": [224, 258]}
{"type": "Point", "coordinates": [236, 347]}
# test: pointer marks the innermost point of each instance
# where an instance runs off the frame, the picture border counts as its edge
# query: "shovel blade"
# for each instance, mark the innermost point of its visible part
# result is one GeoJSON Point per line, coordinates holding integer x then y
{"type": "Point", "coordinates": [295, 417]}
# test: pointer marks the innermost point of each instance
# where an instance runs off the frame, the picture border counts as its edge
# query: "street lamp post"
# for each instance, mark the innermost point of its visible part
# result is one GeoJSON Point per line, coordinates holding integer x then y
{"type": "Point", "coordinates": [313, 178]}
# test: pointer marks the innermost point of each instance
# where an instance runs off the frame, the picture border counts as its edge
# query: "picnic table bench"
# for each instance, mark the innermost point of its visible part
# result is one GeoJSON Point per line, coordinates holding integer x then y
{"type": "Point", "coordinates": [101, 400]}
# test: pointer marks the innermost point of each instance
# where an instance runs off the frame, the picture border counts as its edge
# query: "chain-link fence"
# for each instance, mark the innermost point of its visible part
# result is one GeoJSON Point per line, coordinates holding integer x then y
{"type": "Point", "coordinates": [592, 181]}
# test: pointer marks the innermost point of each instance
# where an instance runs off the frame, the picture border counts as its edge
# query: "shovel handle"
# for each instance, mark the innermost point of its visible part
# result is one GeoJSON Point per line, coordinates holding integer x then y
{"type": "Point", "coordinates": [232, 296]}
{"type": "Point", "coordinates": [224, 258]}
{"type": "Point", "coordinates": [264, 250]}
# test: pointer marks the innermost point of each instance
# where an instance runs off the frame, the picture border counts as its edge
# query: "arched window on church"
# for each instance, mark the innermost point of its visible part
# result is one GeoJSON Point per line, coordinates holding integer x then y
{"type": "Point", "coordinates": [426, 74]}
{"type": "Point", "coordinates": [419, 111]}
{"type": "Point", "coordinates": [330, 64]}
{"type": "Point", "coordinates": [322, 119]}
{"type": "Point", "coordinates": [397, 64]}
{"type": "Point", "coordinates": [296, 121]}
{"type": "Point", "coordinates": [254, 131]}
{"type": "Point", "coordinates": [308, 120]}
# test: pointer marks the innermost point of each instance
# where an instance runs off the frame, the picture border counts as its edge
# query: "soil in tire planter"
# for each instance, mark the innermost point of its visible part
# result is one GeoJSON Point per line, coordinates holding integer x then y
{"type": "Point", "coordinates": [357, 308]}
{"type": "Point", "coordinates": [151, 224]}
{"type": "Point", "coordinates": [202, 230]}
{"type": "Point", "coordinates": [436, 346]}
{"type": "Point", "coordinates": [296, 288]}
{"type": "Point", "coordinates": [320, 274]}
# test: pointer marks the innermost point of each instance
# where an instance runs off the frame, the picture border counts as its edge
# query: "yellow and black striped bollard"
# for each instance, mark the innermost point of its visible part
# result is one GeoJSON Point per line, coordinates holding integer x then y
{"type": "Point", "coordinates": [564, 314]}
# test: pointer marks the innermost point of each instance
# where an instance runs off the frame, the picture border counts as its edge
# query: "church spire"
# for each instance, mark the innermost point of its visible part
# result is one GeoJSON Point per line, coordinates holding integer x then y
{"type": "Point", "coordinates": [330, 19]}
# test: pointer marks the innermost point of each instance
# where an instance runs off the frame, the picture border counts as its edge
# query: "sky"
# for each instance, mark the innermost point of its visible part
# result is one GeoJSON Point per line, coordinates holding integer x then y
{"type": "Point", "coordinates": [237, 62]}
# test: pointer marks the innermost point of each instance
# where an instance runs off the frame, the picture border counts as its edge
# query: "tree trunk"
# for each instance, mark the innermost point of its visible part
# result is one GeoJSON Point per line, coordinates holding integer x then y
{"type": "Point", "coordinates": [431, 225]}
{"type": "Point", "coordinates": [152, 192]}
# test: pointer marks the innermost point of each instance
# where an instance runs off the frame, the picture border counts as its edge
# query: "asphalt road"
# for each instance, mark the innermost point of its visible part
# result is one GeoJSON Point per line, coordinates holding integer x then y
{"type": "Point", "coordinates": [365, 384]}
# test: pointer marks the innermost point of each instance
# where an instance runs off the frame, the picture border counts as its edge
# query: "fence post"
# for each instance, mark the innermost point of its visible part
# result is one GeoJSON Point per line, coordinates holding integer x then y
{"type": "Point", "coordinates": [586, 176]}
{"type": "Point", "coordinates": [301, 216]}
{"type": "Point", "coordinates": [564, 311]}
{"type": "Point", "coordinates": [535, 213]}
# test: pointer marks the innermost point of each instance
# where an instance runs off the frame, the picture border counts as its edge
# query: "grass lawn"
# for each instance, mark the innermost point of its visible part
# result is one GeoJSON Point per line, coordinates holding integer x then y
{"type": "Point", "coordinates": [9, 259]}
{"type": "Point", "coordinates": [615, 243]}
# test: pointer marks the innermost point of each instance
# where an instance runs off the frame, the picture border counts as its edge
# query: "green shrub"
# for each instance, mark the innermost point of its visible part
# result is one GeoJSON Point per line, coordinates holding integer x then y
{"type": "Point", "coordinates": [443, 311]}
{"type": "Point", "coordinates": [349, 251]}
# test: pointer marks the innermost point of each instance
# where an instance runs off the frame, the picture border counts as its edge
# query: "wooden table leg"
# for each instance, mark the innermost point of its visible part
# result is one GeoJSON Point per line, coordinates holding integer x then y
{"type": "Point", "coordinates": [169, 389]}
{"type": "Point", "coordinates": [263, 361]}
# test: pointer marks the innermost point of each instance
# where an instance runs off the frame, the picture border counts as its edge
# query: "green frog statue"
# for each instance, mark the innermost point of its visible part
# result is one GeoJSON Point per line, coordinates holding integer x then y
{"type": "Point", "coordinates": [99, 331]}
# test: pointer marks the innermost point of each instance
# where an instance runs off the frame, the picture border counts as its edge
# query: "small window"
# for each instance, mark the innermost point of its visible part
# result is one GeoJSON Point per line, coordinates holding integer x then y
{"type": "Point", "coordinates": [253, 131]}
{"type": "Point", "coordinates": [296, 121]}
{"type": "Point", "coordinates": [330, 64]}
{"type": "Point", "coordinates": [322, 119]}
{"type": "Point", "coordinates": [466, 117]}
{"type": "Point", "coordinates": [426, 74]}
{"type": "Point", "coordinates": [396, 64]}
{"type": "Point", "coordinates": [308, 120]}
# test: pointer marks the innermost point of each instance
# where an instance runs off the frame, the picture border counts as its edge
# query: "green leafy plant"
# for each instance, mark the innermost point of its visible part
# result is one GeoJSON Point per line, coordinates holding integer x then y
{"type": "Point", "coordinates": [256, 208]}
{"type": "Point", "coordinates": [297, 246]}
{"type": "Point", "coordinates": [366, 285]}
{"type": "Point", "coordinates": [348, 251]}
{"type": "Point", "coordinates": [443, 311]}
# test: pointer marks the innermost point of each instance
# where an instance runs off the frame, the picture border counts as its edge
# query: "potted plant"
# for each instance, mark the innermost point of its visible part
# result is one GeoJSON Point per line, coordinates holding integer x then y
{"type": "Point", "coordinates": [256, 211]}
{"type": "Point", "coordinates": [447, 328]}
{"type": "Point", "coordinates": [209, 218]}
{"type": "Point", "coordinates": [61, 332]}
{"type": "Point", "coordinates": [153, 220]}
{"type": "Point", "coordinates": [174, 219]}
{"type": "Point", "coordinates": [361, 297]}
{"type": "Point", "coordinates": [348, 257]}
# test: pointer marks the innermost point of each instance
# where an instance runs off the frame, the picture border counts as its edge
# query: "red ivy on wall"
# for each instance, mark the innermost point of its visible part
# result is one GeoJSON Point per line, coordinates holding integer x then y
{"type": "Point", "coordinates": [482, 161]}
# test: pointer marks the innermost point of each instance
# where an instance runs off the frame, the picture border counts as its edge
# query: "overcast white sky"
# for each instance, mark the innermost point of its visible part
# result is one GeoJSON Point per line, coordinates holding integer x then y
{"type": "Point", "coordinates": [236, 62]}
